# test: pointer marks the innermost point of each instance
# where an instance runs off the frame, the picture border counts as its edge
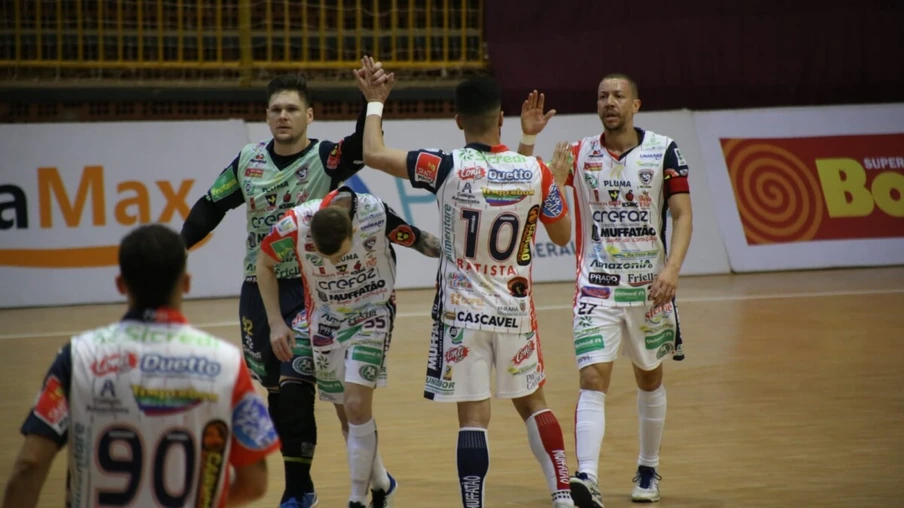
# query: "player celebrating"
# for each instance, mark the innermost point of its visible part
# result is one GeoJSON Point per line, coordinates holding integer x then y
{"type": "Point", "coordinates": [270, 178]}
{"type": "Point", "coordinates": [348, 264]}
{"type": "Point", "coordinates": [155, 412]}
{"type": "Point", "coordinates": [491, 200]}
{"type": "Point", "coordinates": [625, 180]}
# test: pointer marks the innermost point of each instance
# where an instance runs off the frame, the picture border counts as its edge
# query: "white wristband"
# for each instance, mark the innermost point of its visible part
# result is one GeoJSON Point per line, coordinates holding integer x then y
{"type": "Point", "coordinates": [375, 108]}
{"type": "Point", "coordinates": [528, 139]}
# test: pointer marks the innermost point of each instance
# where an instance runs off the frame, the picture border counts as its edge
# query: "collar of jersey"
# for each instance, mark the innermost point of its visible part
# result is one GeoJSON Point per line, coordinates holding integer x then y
{"type": "Point", "coordinates": [158, 315]}
{"type": "Point", "coordinates": [487, 148]}
{"type": "Point", "coordinates": [328, 199]}
{"type": "Point", "coordinates": [640, 135]}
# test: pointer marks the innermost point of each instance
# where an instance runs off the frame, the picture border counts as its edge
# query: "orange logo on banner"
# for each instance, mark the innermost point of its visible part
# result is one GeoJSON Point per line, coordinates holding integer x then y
{"type": "Point", "coordinates": [825, 188]}
{"type": "Point", "coordinates": [131, 207]}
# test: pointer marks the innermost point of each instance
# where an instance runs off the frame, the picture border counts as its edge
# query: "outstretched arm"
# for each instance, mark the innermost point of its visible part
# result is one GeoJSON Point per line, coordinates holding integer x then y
{"type": "Point", "coordinates": [375, 84]}
{"type": "Point", "coordinates": [206, 214]}
{"type": "Point", "coordinates": [401, 232]}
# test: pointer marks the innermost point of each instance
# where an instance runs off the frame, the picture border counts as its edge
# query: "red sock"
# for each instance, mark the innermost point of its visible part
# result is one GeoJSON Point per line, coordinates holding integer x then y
{"type": "Point", "coordinates": [548, 445]}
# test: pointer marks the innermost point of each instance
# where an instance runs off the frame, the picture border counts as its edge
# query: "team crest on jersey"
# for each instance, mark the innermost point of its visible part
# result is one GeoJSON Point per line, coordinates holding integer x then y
{"type": "Point", "coordinates": [302, 173]}
{"type": "Point", "coordinates": [646, 176]}
{"type": "Point", "coordinates": [370, 243]}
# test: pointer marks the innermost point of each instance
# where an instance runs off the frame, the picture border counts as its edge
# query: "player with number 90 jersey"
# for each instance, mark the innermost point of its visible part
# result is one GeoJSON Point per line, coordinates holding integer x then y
{"type": "Point", "coordinates": [491, 200]}
{"type": "Point", "coordinates": [155, 413]}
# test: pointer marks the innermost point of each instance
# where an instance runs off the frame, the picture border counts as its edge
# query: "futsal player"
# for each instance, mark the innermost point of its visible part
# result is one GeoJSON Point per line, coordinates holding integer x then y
{"type": "Point", "coordinates": [344, 244]}
{"type": "Point", "coordinates": [269, 178]}
{"type": "Point", "coordinates": [154, 411]}
{"type": "Point", "coordinates": [625, 180]}
{"type": "Point", "coordinates": [491, 201]}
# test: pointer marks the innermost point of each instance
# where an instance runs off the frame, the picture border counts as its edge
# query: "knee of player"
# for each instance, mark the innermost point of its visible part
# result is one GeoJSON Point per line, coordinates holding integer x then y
{"type": "Point", "coordinates": [596, 377]}
{"type": "Point", "coordinates": [357, 410]}
{"type": "Point", "coordinates": [648, 380]}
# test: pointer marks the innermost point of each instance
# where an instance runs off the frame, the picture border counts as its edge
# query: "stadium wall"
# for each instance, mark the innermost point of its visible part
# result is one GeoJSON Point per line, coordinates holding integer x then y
{"type": "Point", "coordinates": [773, 189]}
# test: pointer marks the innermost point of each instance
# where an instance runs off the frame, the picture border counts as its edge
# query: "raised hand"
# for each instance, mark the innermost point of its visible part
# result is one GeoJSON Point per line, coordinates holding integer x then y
{"type": "Point", "coordinates": [533, 120]}
{"type": "Point", "coordinates": [373, 81]}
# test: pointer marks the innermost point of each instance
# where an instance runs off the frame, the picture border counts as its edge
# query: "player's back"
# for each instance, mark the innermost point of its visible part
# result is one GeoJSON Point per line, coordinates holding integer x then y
{"type": "Point", "coordinates": [157, 408]}
{"type": "Point", "coordinates": [491, 203]}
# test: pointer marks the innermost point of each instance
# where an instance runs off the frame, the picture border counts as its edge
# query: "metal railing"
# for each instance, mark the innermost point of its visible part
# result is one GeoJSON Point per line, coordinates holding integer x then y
{"type": "Point", "coordinates": [94, 38]}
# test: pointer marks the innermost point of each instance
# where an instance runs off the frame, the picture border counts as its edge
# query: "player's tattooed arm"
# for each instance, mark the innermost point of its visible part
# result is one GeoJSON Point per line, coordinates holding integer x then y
{"type": "Point", "coordinates": [427, 245]}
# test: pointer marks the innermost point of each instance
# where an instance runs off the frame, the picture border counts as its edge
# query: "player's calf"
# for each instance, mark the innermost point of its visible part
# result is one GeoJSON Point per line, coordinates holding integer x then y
{"type": "Point", "coordinates": [297, 429]}
{"type": "Point", "coordinates": [547, 444]}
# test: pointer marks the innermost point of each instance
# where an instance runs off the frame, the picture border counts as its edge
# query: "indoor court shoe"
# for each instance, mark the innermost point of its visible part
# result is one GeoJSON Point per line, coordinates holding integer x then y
{"type": "Point", "coordinates": [646, 485]}
{"type": "Point", "coordinates": [383, 498]}
{"type": "Point", "coordinates": [309, 500]}
{"type": "Point", "coordinates": [585, 492]}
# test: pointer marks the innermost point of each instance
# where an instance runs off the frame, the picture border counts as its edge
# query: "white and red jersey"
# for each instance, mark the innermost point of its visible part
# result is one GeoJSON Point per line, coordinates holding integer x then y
{"type": "Point", "coordinates": [491, 201]}
{"type": "Point", "coordinates": [363, 281]}
{"type": "Point", "coordinates": [155, 412]}
{"type": "Point", "coordinates": [622, 202]}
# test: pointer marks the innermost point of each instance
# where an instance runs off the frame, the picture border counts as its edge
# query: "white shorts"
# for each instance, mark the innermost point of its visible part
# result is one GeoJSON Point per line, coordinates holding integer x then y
{"type": "Point", "coordinates": [652, 333]}
{"type": "Point", "coordinates": [461, 362]}
{"type": "Point", "coordinates": [352, 349]}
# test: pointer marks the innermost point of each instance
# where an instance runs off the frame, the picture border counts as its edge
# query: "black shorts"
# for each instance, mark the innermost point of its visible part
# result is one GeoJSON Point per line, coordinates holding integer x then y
{"type": "Point", "coordinates": [262, 363]}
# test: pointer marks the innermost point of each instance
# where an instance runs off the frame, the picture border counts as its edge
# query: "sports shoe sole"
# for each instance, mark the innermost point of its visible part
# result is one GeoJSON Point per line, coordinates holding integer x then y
{"type": "Point", "coordinates": [581, 496]}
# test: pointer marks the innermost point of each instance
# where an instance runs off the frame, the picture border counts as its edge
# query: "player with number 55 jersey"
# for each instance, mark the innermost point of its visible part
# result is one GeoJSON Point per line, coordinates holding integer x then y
{"type": "Point", "coordinates": [154, 411]}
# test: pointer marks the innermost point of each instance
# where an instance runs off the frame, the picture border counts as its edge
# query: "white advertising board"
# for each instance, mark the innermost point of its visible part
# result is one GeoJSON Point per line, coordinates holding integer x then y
{"type": "Point", "coordinates": [800, 188]}
{"type": "Point", "coordinates": [70, 192]}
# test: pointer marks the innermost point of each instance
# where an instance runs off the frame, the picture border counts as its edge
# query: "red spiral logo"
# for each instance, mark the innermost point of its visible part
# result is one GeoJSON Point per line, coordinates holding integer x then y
{"type": "Point", "coordinates": [778, 197]}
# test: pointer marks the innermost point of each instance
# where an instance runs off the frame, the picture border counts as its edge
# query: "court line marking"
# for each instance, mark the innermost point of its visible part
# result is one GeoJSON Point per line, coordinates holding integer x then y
{"type": "Point", "coordinates": [687, 299]}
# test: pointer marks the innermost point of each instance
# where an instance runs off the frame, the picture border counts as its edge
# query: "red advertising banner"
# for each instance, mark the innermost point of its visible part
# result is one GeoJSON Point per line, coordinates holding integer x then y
{"type": "Point", "coordinates": [818, 188]}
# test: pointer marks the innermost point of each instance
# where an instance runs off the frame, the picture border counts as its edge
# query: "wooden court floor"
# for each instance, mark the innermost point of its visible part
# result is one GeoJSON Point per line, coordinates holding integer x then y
{"type": "Point", "coordinates": [792, 395]}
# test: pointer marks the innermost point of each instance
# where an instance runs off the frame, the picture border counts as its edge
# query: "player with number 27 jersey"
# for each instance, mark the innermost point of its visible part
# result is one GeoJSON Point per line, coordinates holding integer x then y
{"type": "Point", "coordinates": [155, 413]}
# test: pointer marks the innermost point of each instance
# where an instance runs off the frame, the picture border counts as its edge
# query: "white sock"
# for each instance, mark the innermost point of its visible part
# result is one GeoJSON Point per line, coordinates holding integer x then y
{"type": "Point", "coordinates": [589, 429]}
{"type": "Point", "coordinates": [362, 448]}
{"type": "Point", "coordinates": [379, 478]}
{"type": "Point", "coordinates": [651, 413]}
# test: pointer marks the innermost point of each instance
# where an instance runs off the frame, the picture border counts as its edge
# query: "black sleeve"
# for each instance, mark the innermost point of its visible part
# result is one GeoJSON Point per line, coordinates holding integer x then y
{"type": "Point", "coordinates": [398, 231]}
{"type": "Point", "coordinates": [428, 169]}
{"type": "Point", "coordinates": [224, 195]}
{"type": "Point", "coordinates": [50, 416]}
{"type": "Point", "coordinates": [674, 172]}
{"type": "Point", "coordinates": [343, 159]}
